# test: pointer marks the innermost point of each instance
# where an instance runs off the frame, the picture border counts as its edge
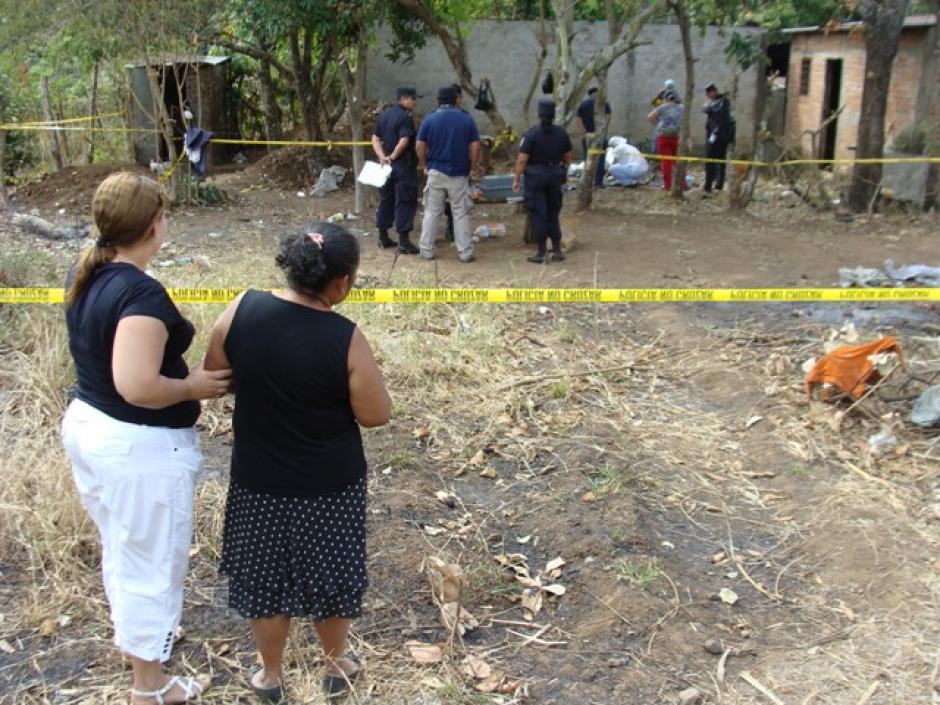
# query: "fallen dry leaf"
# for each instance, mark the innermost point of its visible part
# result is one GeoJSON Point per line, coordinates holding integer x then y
{"type": "Point", "coordinates": [475, 667]}
{"type": "Point", "coordinates": [421, 432]}
{"type": "Point", "coordinates": [589, 497]}
{"type": "Point", "coordinates": [424, 653]}
{"type": "Point", "coordinates": [531, 603]}
{"type": "Point", "coordinates": [504, 419]}
{"type": "Point", "coordinates": [467, 621]}
{"type": "Point", "coordinates": [555, 589]}
{"type": "Point", "coordinates": [489, 472]}
{"type": "Point", "coordinates": [554, 566]}
{"type": "Point", "coordinates": [728, 596]}
{"type": "Point", "coordinates": [6, 647]}
{"type": "Point", "coordinates": [48, 627]}
{"type": "Point", "coordinates": [491, 683]}
{"type": "Point", "coordinates": [478, 458]}
{"type": "Point", "coordinates": [433, 530]}
{"type": "Point", "coordinates": [446, 498]}
{"type": "Point", "coordinates": [445, 578]}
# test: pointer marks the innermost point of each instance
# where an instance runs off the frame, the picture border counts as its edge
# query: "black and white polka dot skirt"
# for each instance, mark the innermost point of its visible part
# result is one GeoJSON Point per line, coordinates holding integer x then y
{"type": "Point", "coordinates": [295, 556]}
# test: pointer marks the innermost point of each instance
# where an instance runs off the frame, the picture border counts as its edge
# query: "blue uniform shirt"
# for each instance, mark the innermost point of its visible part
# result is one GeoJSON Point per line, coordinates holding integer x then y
{"type": "Point", "coordinates": [586, 112]}
{"type": "Point", "coordinates": [545, 146]}
{"type": "Point", "coordinates": [393, 124]}
{"type": "Point", "coordinates": [449, 132]}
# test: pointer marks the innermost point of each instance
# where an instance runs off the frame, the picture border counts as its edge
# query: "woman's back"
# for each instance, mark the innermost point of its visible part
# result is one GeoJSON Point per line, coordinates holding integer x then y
{"type": "Point", "coordinates": [295, 433]}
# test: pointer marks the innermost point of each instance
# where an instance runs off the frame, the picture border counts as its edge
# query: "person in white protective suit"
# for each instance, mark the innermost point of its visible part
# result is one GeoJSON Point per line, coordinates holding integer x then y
{"type": "Point", "coordinates": [625, 164]}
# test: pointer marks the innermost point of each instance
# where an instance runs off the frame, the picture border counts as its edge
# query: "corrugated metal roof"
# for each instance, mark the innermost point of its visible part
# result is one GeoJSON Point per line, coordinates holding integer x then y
{"type": "Point", "coordinates": [170, 59]}
{"type": "Point", "coordinates": [910, 22]}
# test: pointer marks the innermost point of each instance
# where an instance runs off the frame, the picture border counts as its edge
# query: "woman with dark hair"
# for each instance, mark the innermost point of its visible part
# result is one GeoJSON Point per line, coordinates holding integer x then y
{"type": "Point", "coordinates": [543, 158]}
{"type": "Point", "coordinates": [129, 432]}
{"type": "Point", "coordinates": [305, 381]}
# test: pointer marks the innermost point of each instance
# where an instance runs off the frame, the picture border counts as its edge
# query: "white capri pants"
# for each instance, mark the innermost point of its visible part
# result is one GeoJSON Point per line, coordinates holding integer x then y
{"type": "Point", "coordinates": [137, 483]}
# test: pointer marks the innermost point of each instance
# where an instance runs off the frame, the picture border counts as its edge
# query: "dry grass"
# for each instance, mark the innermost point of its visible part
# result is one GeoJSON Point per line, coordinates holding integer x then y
{"type": "Point", "coordinates": [556, 403]}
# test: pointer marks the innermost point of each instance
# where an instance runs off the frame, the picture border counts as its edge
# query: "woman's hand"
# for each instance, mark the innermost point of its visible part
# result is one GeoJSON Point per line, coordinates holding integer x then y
{"type": "Point", "coordinates": [516, 184]}
{"type": "Point", "coordinates": [208, 384]}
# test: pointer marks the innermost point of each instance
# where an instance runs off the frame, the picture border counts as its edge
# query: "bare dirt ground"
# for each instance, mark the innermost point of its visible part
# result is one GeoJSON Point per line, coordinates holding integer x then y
{"type": "Point", "coordinates": [716, 531]}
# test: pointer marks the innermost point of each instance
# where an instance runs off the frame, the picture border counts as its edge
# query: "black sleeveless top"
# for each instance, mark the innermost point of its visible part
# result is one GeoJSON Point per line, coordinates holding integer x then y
{"type": "Point", "coordinates": [295, 433]}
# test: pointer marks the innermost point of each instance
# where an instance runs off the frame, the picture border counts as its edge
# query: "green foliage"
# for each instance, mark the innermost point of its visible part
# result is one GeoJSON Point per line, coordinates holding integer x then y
{"type": "Point", "coordinates": [638, 573]}
{"type": "Point", "coordinates": [914, 139]}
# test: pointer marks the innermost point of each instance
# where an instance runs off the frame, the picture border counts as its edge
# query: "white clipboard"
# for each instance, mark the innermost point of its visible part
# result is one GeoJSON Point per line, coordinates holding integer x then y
{"type": "Point", "coordinates": [374, 174]}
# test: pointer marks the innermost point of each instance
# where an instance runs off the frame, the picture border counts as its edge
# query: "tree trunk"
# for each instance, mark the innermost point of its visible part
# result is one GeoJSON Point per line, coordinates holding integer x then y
{"type": "Point", "coordinates": [596, 145]}
{"type": "Point", "coordinates": [930, 107]}
{"type": "Point", "coordinates": [272, 111]}
{"type": "Point", "coordinates": [165, 124]}
{"type": "Point", "coordinates": [3, 148]}
{"type": "Point", "coordinates": [354, 88]}
{"type": "Point", "coordinates": [457, 54]}
{"type": "Point", "coordinates": [94, 111]}
{"type": "Point", "coordinates": [571, 82]}
{"type": "Point", "coordinates": [301, 68]}
{"type": "Point", "coordinates": [883, 20]}
{"type": "Point", "coordinates": [740, 193]}
{"type": "Point", "coordinates": [542, 38]}
{"type": "Point", "coordinates": [685, 132]}
{"type": "Point", "coordinates": [47, 116]}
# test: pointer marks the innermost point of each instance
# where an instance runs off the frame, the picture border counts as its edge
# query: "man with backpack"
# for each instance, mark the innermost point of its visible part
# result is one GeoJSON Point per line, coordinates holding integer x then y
{"type": "Point", "coordinates": [719, 134]}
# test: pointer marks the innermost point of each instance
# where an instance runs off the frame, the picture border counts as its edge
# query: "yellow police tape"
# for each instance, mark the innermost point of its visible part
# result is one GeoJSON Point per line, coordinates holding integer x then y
{"type": "Point", "coordinates": [53, 123]}
{"type": "Point", "coordinates": [331, 144]}
{"type": "Point", "coordinates": [788, 162]}
{"type": "Point", "coordinates": [35, 295]}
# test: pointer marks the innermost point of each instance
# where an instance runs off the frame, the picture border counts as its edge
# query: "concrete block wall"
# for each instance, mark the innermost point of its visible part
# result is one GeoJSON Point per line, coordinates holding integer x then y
{"type": "Point", "coordinates": [507, 54]}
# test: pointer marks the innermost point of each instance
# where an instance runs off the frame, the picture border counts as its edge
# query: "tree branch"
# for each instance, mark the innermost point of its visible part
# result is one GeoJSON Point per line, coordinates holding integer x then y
{"type": "Point", "coordinates": [257, 54]}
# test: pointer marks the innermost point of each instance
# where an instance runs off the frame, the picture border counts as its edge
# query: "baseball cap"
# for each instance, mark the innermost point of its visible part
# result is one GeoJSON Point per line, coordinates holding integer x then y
{"type": "Point", "coordinates": [711, 87]}
{"type": "Point", "coordinates": [447, 94]}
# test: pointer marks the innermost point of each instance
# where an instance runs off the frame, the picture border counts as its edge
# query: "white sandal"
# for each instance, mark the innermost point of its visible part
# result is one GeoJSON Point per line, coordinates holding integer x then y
{"type": "Point", "coordinates": [190, 687]}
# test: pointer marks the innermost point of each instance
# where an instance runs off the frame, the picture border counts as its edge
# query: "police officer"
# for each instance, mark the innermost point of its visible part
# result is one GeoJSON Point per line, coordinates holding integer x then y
{"type": "Point", "coordinates": [393, 142]}
{"type": "Point", "coordinates": [719, 133]}
{"type": "Point", "coordinates": [544, 157]}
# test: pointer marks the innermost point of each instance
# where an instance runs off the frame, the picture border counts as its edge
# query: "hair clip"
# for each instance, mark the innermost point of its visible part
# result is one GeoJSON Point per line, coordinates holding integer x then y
{"type": "Point", "coordinates": [316, 239]}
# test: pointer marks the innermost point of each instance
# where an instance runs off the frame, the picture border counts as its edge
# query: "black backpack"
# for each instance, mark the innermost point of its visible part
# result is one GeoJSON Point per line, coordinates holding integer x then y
{"type": "Point", "coordinates": [484, 96]}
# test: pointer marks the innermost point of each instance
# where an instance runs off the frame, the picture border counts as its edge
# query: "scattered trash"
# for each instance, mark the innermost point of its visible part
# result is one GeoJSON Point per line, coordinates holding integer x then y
{"type": "Point", "coordinates": [490, 230]}
{"type": "Point", "coordinates": [575, 169]}
{"type": "Point", "coordinates": [926, 411]}
{"type": "Point", "coordinates": [850, 368]}
{"type": "Point", "coordinates": [336, 218]}
{"type": "Point", "coordinates": [690, 696]}
{"type": "Point", "coordinates": [862, 277]}
{"type": "Point", "coordinates": [752, 421]}
{"type": "Point", "coordinates": [300, 194]}
{"type": "Point", "coordinates": [329, 181]}
{"type": "Point", "coordinates": [918, 273]}
{"type": "Point", "coordinates": [881, 442]}
{"type": "Point", "coordinates": [215, 236]}
{"type": "Point", "coordinates": [728, 596]}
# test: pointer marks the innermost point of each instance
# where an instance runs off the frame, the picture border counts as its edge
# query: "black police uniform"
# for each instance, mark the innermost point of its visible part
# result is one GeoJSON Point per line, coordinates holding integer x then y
{"type": "Point", "coordinates": [719, 133]}
{"type": "Point", "coordinates": [399, 195]}
{"type": "Point", "coordinates": [544, 177]}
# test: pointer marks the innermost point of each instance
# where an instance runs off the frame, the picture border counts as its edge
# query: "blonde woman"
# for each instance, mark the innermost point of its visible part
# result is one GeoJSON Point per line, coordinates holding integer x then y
{"type": "Point", "coordinates": [129, 432]}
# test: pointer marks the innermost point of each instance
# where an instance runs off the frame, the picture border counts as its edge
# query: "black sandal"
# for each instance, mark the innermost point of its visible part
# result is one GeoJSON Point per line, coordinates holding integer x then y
{"type": "Point", "coordinates": [273, 695]}
{"type": "Point", "coordinates": [338, 686]}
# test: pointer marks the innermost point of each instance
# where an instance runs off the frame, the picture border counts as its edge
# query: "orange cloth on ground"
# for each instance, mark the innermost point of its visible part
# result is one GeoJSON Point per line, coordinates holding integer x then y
{"type": "Point", "coordinates": [849, 368]}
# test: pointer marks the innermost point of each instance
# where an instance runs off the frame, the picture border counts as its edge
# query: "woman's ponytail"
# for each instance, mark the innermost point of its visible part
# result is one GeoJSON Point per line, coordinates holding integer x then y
{"type": "Point", "coordinates": [125, 206]}
{"type": "Point", "coordinates": [88, 261]}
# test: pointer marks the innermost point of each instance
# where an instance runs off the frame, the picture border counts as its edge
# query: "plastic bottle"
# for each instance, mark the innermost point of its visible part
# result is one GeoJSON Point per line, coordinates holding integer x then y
{"type": "Point", "coordinates": [490, 230]}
